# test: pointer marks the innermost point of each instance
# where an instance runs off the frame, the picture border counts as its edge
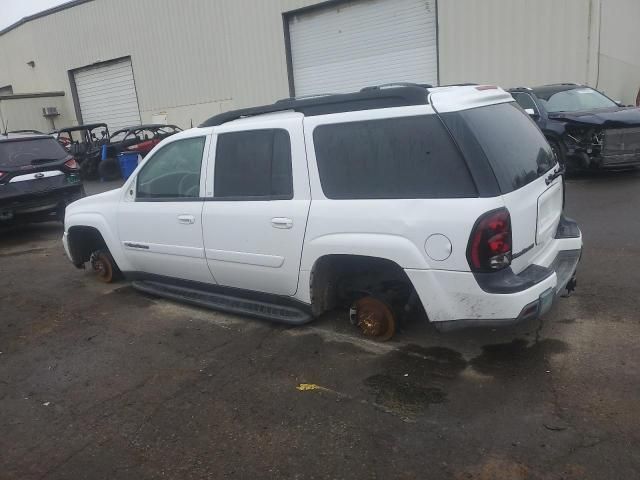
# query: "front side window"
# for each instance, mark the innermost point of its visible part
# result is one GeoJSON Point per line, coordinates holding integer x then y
{"type": "Point", "coordinates": [525, 101]}
{"type": "Point", "coordinates": [254, 164]}
{"type": "Point", "coordinates": [576, 100]}
{"type": "Point", "coordinates": [173, 172]}
{"type": "Point", "coordinates": [407, 157]}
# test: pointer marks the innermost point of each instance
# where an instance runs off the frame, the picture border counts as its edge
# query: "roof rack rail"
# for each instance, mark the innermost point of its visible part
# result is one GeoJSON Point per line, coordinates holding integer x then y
{"type": "Point", "coordinates": [470, 84]}
{"type": "Point", "coordinates": [520, 89]}
{"type": "Point", "coordinates": [396, 84]}
{"type": "Point", "coordinates": [366, 99]}
{"type": "Point", "coordinates": [306, 97]}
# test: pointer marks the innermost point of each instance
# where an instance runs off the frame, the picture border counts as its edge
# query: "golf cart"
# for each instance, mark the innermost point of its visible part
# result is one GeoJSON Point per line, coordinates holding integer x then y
{"type": "Point", "coordinates": [85, 143]}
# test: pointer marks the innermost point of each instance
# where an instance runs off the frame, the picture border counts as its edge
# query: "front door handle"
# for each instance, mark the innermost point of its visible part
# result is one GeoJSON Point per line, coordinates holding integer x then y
{"type": "Point", "coordinates": [281, 222]}
{"type": "Point", "coordinates": [186, 219]}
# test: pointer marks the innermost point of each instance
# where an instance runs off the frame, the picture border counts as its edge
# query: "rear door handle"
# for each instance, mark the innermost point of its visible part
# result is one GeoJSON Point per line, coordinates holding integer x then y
{"type": "Point", "coordinates": [281, 222]}
{"type": "Point", "coordinates": [186, 219]}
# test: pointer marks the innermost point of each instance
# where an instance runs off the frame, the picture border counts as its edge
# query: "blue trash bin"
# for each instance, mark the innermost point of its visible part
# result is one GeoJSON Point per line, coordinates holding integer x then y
{"type": "Point", "coordinates": [128, 163]}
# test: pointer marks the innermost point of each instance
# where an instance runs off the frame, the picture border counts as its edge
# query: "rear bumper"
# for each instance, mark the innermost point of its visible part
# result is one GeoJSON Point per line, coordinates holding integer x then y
{"type": "Point", "coordinates": [458, 299]}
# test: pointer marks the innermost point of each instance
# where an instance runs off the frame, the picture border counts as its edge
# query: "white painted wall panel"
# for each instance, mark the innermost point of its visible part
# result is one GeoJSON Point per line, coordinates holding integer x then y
{"type": "Point", "coordinates": [107, 93]}
{"type": "Point", "coordinates": [344, 47]}
{"type": "Point", "coordinates": [514, 42]}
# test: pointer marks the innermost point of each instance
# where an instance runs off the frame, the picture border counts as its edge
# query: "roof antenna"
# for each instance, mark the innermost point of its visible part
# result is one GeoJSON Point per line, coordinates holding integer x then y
{"type": "Point", "coordinates": [6, 127]}
{"type": "Point", "coordinates": [192, 123]}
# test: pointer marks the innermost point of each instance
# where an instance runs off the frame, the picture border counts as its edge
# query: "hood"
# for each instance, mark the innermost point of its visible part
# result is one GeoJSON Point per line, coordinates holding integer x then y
{"type": "Point", "coordinates": [610, 117]}
{"type": "Point", "coordinates": [86, 204]}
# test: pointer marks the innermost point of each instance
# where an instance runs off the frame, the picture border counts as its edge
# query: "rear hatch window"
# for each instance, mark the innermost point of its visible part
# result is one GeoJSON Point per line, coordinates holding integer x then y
{"type": "Point", "coordinates": [34, 151]}
{"type": "Point", "coordinates": [515, 148]}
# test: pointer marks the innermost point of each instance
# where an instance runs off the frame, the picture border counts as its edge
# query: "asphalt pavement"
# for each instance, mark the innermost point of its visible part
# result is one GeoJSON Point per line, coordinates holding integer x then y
{"type": "Point", "coordinates": [101, 382]}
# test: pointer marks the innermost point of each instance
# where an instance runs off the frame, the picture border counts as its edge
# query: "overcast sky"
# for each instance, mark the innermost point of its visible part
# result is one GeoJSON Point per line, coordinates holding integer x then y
{"type": "Point", "coordinates": [13, 10]}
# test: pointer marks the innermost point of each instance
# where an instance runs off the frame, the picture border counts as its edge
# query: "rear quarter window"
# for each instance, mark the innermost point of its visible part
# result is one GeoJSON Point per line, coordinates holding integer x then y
{"type": "Point", "coordinates": [406, 157]}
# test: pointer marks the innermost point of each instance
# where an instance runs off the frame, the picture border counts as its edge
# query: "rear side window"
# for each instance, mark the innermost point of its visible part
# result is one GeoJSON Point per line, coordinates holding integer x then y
{"type": "Point", "coordinates": [515, 148]}
{"type": "Point", "coordinates": [16, 153]}
{"type": "Point", "coordinates": [254, 164]}
{"type": "Point", "coordinates": [407, 157]}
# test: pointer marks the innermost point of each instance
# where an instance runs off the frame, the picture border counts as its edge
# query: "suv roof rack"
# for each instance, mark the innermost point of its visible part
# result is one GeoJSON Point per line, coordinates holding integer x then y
{"type": "Point", "coordinates": [369, 98]}
{"type": "Point", "coordinates": [469, 84]}
{"type": "Point", "coordinates": [520, 89]}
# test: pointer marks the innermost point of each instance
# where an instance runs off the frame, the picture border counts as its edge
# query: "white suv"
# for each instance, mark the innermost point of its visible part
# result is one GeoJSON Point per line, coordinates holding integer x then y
{"type": "Point", "coordinates": [391, 199]}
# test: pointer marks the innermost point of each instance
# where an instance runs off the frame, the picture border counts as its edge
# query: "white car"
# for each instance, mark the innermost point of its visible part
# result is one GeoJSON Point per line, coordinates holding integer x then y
{"type": "Point", "coordinates": [387, 200]}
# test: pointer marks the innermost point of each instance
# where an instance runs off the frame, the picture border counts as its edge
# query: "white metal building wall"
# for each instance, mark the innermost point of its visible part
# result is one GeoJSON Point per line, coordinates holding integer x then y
{"type": "Point", "coordinates": [344, 47]}
{"type": "Point", "coordinates": [204, 57]}
{"type": "Point", "coordinates": [107, 93]}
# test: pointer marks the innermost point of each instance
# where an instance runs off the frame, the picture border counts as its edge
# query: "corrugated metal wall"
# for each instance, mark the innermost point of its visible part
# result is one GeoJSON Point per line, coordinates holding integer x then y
{"type": "Point", "coordinates": [195, 58]}
{"type": "Point", "coordinates": [191, 58]}
{"type": "Point", "coordinates": [26, 113]}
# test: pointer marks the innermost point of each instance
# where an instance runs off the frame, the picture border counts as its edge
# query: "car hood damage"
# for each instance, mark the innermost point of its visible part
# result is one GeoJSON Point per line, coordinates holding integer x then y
{"type": "Point", "coordinates": [617, 117]}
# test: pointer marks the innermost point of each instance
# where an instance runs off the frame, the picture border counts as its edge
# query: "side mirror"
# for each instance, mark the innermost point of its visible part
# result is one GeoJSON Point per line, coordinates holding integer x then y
{"type": "Point", "coordinates": [531, 112]}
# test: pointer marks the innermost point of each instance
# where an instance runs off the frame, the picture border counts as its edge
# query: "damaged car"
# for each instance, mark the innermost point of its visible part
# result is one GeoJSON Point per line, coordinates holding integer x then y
{"type": "Point", "coordinates": [585, 128]}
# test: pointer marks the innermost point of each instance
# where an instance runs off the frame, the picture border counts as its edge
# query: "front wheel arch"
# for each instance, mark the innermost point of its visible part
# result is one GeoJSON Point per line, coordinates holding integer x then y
{"type": "Point", "coordinates": [83, 241]}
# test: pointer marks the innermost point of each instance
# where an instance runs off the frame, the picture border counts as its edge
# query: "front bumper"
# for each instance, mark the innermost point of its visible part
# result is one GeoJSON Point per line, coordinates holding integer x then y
{"type": "Point", "coordinates": [624, 160]}
{"type": "Point", "coordinates": [458, 299]}
{"type": "Point", "coordinates": [38, 203]}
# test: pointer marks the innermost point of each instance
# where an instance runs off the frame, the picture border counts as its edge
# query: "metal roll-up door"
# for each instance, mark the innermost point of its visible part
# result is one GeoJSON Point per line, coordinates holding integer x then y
{"type": "Point", "coordinates": [346, 46]}
{"type": "Point", "coordinates": [107, 93]}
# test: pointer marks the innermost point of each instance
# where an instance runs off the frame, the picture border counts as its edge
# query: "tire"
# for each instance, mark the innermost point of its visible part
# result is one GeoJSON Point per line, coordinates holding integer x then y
{"type": "Point", "coordinates": [89, 169]}
{"type": "Point", "coordinates": [558, 151]}
{"type": "Point", "coordinates": [109, 169]}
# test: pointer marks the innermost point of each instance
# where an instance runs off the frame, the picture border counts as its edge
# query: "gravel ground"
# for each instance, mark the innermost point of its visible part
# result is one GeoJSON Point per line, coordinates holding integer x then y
{"type": "Point", "coordinates": [101, 382]}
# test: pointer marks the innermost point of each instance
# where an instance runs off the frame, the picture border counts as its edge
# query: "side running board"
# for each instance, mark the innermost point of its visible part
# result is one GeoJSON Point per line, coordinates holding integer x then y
{"type": "Point", "coordinates": [226, 303]}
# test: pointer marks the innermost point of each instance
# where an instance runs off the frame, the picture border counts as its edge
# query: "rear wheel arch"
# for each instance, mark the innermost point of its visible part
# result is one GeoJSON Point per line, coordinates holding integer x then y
{"type": "Point", "coordinates": [338, 279]}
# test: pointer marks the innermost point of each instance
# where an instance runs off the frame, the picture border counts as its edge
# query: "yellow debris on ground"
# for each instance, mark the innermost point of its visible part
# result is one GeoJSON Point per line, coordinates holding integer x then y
{"type": "Point", "coordinates": [303, 387]}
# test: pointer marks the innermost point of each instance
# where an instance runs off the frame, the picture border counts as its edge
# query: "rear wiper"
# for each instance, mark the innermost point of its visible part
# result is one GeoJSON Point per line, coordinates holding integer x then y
{"type": "Point", "coordinates": [555, 175]}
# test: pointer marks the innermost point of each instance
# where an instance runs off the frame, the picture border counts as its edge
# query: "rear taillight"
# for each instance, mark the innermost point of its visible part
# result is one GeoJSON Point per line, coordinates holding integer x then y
{"type": "Point", "coordinates": [71, 164]}
{"type": "Point", "coordinates": [490, 242]}
{"type": "Point", "coordinates": [2, 174]}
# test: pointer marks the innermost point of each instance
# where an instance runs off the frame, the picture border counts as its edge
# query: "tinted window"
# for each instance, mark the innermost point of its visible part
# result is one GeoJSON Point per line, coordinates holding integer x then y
{"type": "Point", "coordinates": [408, 157]}
{"type": "Point", "coordinates": [30, 152]}
{"type": "Point", "coordinates": [255, 163]}
{"type": "Point", "coordinates": [173, 171]}
{"type": "Point", "coordinates": [524, 100]}
{"type": "Point", "coordinates": [515, 148]}
{"type": "Point", "coordinates": [575, 100]}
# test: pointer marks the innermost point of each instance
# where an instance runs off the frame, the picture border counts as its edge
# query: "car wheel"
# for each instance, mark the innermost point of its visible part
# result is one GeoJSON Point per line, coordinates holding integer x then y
{"type": "Point", "coordinates": [109, 169]}
{"type": "Point", "coordinates": [558, 152]}
{"type": "Point", "coordinates": [89, 169]}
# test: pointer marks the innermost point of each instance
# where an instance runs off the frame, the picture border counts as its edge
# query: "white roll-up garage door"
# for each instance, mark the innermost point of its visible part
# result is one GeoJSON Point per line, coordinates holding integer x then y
{"type": "Point", "coordinates": [107, 93]}
{"type": "Point", "coordinates": [347, 46]}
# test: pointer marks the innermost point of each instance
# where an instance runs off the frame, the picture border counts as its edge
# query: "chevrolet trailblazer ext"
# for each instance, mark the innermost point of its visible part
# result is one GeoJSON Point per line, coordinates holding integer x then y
{"type": "Point", "coordinates": [396, 197]}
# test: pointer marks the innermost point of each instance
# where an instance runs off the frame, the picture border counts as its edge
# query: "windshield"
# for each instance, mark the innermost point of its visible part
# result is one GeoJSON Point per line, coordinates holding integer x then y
{"type": "Point", "coordinates": [576, 100]}
{"type": "Point", "coordinates": [515, 148]}
{"type": "Point", "coordinates": [30, 152]}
